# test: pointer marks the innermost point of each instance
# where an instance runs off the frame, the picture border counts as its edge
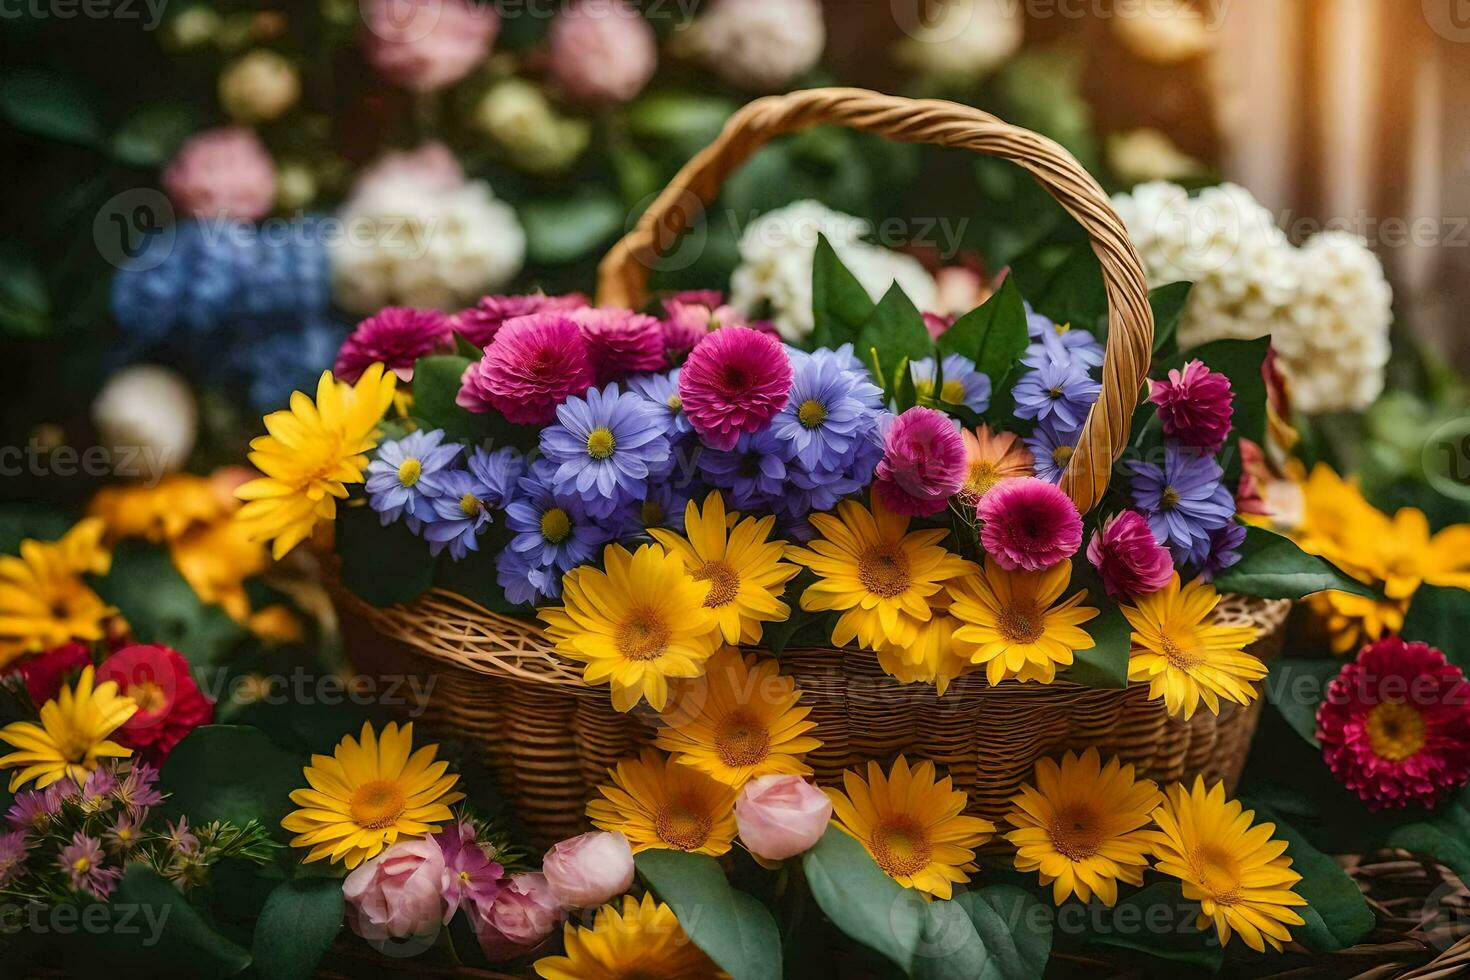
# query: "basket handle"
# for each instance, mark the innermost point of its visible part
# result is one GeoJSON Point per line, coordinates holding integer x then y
{"type": "Point", "coordinates": [623, 274]}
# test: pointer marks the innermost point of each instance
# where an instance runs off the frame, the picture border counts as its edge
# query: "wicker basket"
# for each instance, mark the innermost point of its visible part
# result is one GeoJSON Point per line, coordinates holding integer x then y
{"type": "Point", "coordinates": [499, 685]}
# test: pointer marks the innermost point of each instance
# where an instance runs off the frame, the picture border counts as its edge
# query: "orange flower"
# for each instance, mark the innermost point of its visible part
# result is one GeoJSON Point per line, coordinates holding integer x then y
{"type": "Point", "coordinates": [994, 456]}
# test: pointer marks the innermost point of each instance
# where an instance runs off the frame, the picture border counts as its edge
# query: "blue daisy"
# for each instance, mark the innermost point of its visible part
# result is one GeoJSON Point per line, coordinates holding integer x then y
{"type": "Point", "coordinates": [753, 474]}
{"type": "Point", "coordinates": [963, 385]}
{"type": "Point", "coordinates": [830, 408]}
{"type": "Point", "coordinates": [1052, 445]}
{"type": "Point", "coordinates": [400, 481]}
{"type": "Point", "coordinates": [662, 391]}
{"type": "Point", "coordinates": [605, 446]}
{"type": "Point", "coordinates": [1184, 499]}
{"type": "Point", "coordinates": [524, 581]}
{"type": "Point", "coordinates": [550, 530]}
{"type": "Point", "coordinates": [1053, 341]}
{"type": "Point", "coordinates": [459, 514]}
{"type": "Point", "coordinates": [1056, 390]}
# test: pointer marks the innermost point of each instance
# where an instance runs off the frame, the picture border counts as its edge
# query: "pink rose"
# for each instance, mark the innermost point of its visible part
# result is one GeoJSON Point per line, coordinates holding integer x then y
{"type": "Point", "coordinates": [425, 45]}
{"type": "Point", "coordinates": [397, 895]}
{"type": "Point", "coordinates": [586, 871]}
{"type": "Point", "coordinates": [523, 914]}
{"type": "Point", "coordinates": [602, 52]}
{"type": "Point", "coordinates": [781, 816]}
{"type": "Point", "coordinates": [224, 172]}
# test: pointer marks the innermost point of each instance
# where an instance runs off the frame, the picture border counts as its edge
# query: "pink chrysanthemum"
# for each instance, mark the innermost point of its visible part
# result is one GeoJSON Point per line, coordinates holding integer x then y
{"type": "Point", "coordinates": [82, 861]}
{"type": "Point", "coordinates": [397, 337]}
{"type": "Point", "coordinates": [1131, 562]}
{"type": "Point", "coordinates": [534, 364]}
{"type": "Point", "coordinates": [223, 172]}
{"type": "Point", "coordinates": [924, 463]}
{"type": "Point", "coordinates": [425, 45]}
{"type": "Point", "coordinates": [1029, 525]}
{"type": "Point", "coordinates": [938, 324]}
{"type": "Point", "coordinates": [689, 315]}
{"type": "Point", "coordinates": [735, 380]}
{"type": "Point", "coordinates": [1195, 406]}
{"type": "Point", "coordinates": [621, 342]}
{"type": "Point", "coordinates": [479, 323]}
{"type": "Point", "coordinates": [1395, 725]}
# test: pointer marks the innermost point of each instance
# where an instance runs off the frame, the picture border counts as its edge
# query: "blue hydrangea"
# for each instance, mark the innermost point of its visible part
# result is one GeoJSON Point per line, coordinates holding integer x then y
{"type": "Point", "coordinates": [1052, 446]}
{"type": "Point", "coordinates": [831, 408]}
{"type": "Point", "coordinates": [268, 360]}
{"type": "Point", "coordinates": [1056, 390]}
{"type": "Point", "coordinates": [400, 481]}
{"type": "Point", "coordinates": [1184, 499]}
{"type": "Point", "coordinates": [551, 530]}
{"type": "Point", "coordinates": [962, 384]}
{"type": "Point", "coordinates": [605, 446]}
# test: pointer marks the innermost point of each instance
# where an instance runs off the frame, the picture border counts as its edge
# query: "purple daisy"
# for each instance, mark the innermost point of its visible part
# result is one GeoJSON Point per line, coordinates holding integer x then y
{"type": "Point", "coordinates": [1052, 446]}
{"type": "Point", "coordinates": [32, 811]}
{"type": "Point", "coordinates": [471, 876]}
{"type": "Point", "coordinates": [396, 336]}
{"type": "Point", "coordinates": [138, 790]}
{"type": "Point", "coordinates": [13, 850]}
{"type": "Point", "coordinates": [1056, 390]}
{"type": "Point", "coordinates": [462, 500]}
{"type": "Point", "coordinates": [832, 408]}
{"type": "Point", "coordinates": [550, 530]}
{"type": "Point", "coordinates": [1220, 551]}
{"type": "Point", "coordinates": [524, 581]}
{"type": "Point", "coordinates": [605, 447]}
{"type": "Point", "coordinates": [662, 391]}
{"type": "Point", "coordinates": [401, 478]}
{"type": "Point", "coordinates": [1184, 499]}
{"type": "Point", "coordinates": [82, 861]}
{"type": "Point", "coordinates": [1053, 341]}
{"type": "Point", "coordinates": [752, 474]}
{"type": "Point", "coordinates": [961, 385]}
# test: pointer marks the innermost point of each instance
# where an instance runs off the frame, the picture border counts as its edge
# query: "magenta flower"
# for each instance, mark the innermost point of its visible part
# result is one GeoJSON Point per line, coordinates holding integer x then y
{"type": "Point", "coordinates": [481, 322]}
{"type": "Point", "coordinates": [181, 839]}
{"type": "Point", "coordinates": [1395, 725]}
{"type": "Point", "coordinates": [1131, 562]}
{"type": "Point", "coordinates": [534, 364]}
{"type": "Point", "coordinates": [12, 855]}
{"type": "Point", "coordinates": [1029, 525]}
{"type": "Point", "coordinates": [139, 788]}
{"type": "Point", "coordinates": [31, 811]}
{"type": "Point", "coordinates": [620, 342]}
{"type": "Point", "coordinates": [395, 337]}
{"type": "Point", "coordinates": [735, 381]}
{"type": "Point", "coordinates": [82, 861]}
{"type": "Point", "coordinates": [924, 463]}
{"type": "Point", "coordinates": [1195, 406]}
{"type": "Point", "coordinates": [471, 877]}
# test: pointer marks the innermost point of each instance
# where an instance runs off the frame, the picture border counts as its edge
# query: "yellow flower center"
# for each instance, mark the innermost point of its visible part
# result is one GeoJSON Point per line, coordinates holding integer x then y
{"type": "Point", "coordinates": [812, 413]}
{"type": "Point", "coordinates": [742, 742]}
{"type": "Point", "coordinates": [1062, 455]}
{"type": "Point", "coordinates": [682, 826]}
{"type": "Point", "coordinates": [377, 804]}
{"type": "Point", "coordinates": [643, 636]}
{"type": "Point", "coordinates": [1395, 731]}
{"type": "Point", "coordinates": [1218, 873]}
{"type": "Point", "coordinates": [1182, 653]}
{"type": "Point", "coordinates": [470, 504]}
{"type": "Point", "coordinates": [82, 865]}
{"type": "Point", "coordinates": [1075, 833]}
{"type": "Point", "coordinates": [953, 391]}
{"type": "Point", "coordinates": [409, 471]}
{"type": "Point", "coordinates": [600, 443]}
{"type": "Point", "coordinates": [984, 475]}
{"type": "Point", "coordinates": [675, 403]}
{"type": "Point", "coordinates": [556, 525]}
{"type": "Point", "coordinates": [149, 696]}
{"type": "Point", "coordinates": [724, 583]}
{"type": "Point", "coordinates": [901, 847]}
{"type": "Point", "coordinates": [1021, 621]}
{"type": "Point", "coordinates": [884, 570]}
{"type": "Point", "coordinates": [1170, 498]}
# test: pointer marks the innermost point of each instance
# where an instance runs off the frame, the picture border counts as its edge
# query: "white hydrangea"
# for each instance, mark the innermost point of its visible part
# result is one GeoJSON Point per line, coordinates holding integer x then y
{"type": "Point", "coordinates": [964, 40]}
{"type": "Point", "coordinates": [416, 242]}
{"type": "Point", "coordinates": [760, 45]}
{"type": "Point", "coordinates": [1326, 305]}
{"type": "Point", "coordinates": [774, 277]}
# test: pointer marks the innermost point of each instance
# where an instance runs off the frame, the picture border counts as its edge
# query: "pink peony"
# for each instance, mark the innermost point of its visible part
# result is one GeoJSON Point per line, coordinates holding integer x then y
{"type": "Point", "coordinates": [224, 172]}
{"type": "Point", "coordinates": [602, 52]}
{"type": "Point", "coordinates": [1029, 524]}
{"type": "Point", "coordinates": [523, 914]}
{"type": "Point", "coordinates": [170, 704]}
{"type": "Point", "coordinates": [425, 45]}
{"type": "Point", "coordinates": [45, 673]}
{"type": "Point", "coordinates": [620, 342]}
{"type": "Point", "coordinates": [480, 322]}
{"type": "Point", "coordinates": [938, 324]}
{"type": "Point", "coordinates": [735, 380]}
{"type": "Point", "coordinates": [397, 895]}
{"type": "Point", "coordinates": [584, 872]}
{"type": "Point", "coordinates": [781, 816]}
{"type": "Point", "coordinates": [1129, 559]}
{"type": "Point", "coordinates": [1195, 406]}
{"type": "Point", "coordinates": [534, 364]}
{"type": "Point", "coordinates": [1395, 725]}
{"type": "Point", "coordinates": [924, 463]}
{"type": "Point", "coordinates": [397, 336]}
{"type": "Point", "coordinates": [688, 316]}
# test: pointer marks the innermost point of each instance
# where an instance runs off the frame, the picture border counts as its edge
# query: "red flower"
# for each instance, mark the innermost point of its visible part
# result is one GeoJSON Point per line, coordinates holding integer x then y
{"type": "Point", "coordinates": [1195, 406]}
{"type": "Point", "coordinates": [170, 704]}
{"type": "Point", "coordinates": [1395, 725]}
{"type": "Point", "coordinates": [45, 673]}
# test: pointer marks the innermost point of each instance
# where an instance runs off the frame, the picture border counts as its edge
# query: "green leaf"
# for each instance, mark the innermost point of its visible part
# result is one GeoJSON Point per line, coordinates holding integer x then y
{"type": "Point", "coordinates": [999, 932]}
{"type": "Point", "coordinates": [1106, 664]}
{"type": "Point", "coordinates": [1074, 293]}
{"type": "Point", "coordinates": [436, 383]}
{"type": "Point", "coordinates": [992, 335]}
{"type": "Point", "coordinates": [1168, 303]}
{"type": "Point", "coordinates": [735, 930]}
{"type": "Point", "coordinates": [864, 903]}
{"type": "Point", "coordinates": [567, 227]}
{"type": "Point", "coordinates": [49, 105]}
{"type": "Point", "coordinates": [1337, 915]}
{"type": "Point", "coordinates": [149, 137]}
{"type": "Point", "coordinates": [896, 329]}
{"type": "Point", "coordinates": [25, 304]}
{"type": "Point", "coordinates": [840, 304]}
{"type": "Point", "coordinates": [1159, 921]}
{"type": "Point", "coordinates": [1443, 835]}
{"type": "Point", "coordinates": [1437, 617]}
{"type": "Point", "coordinates": [679, 116]}
{"type": "Point", "coordinates": [162, 608]}
{"type": "Point", "coordinates": [1296, 687]}
{"type": "Point", "coordinates": [1275, 567]}
{"type": "Point", "coordinates": [300, 920]}
{"type": "Point", "coordinates": [382, 566]}
{"type": "Point", "coordinates": [231, 772]}
{"type": "Point", "coordinates": [1240, 361]}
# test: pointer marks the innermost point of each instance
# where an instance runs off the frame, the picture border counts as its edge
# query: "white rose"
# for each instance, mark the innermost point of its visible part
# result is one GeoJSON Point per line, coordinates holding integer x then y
{"type": "Point", "coordinates": [963, 41]}
{"type": "Point", "coordinates": [759, 45]}
{"type": "Point", "coordinates": [148, 410]}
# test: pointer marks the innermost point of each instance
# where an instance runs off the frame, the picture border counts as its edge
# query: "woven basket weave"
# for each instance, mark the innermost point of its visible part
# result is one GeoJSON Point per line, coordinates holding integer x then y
{"type": "Point", "coordinates": [499, 684]}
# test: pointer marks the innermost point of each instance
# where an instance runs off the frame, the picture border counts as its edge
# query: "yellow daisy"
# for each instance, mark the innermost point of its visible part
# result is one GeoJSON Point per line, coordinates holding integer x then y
{"type": "Point", "coordinates": [660, 805]}
{"type": "Point", "coordinates": [876, 572]}
{"type": "Point", "coordinates": [1349, 621]}
{"type": "Point", "coordinates": [369, 793]}
{"type": "Point", "coordinates": [912, 825]}
{"type": "Point", "coordinates": [994, 456]}
{"type": "Point", "coordinates": [158, 513]}
{"type": "Point", "coordinates": [44, 602]}
{"type": "Point", "coordinates": [739, 721]}
{"type": "Point", "coordinates": [312, 452]}
{"type": "Point", "coordinates": [1239, 875]}
{"type": "Point", "coordinates": [1083, 826]}
{"type": "Point", "coordinates": [71, 737]}
{"type": "Point", "coordinates": [1015, 623]}
{"type": "Point", "coordinates": [635, 625]}
{"type": "Point", "coordinates": [643, 940]}
{"type": "Point", "coordinates": [216, 559]}
{"type": "Point", "coordinates": [935, 657]}
{"type": "Point", "coordinates": [742, 565]}
{"type": "Point", "coordinates": [1186, 658]}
